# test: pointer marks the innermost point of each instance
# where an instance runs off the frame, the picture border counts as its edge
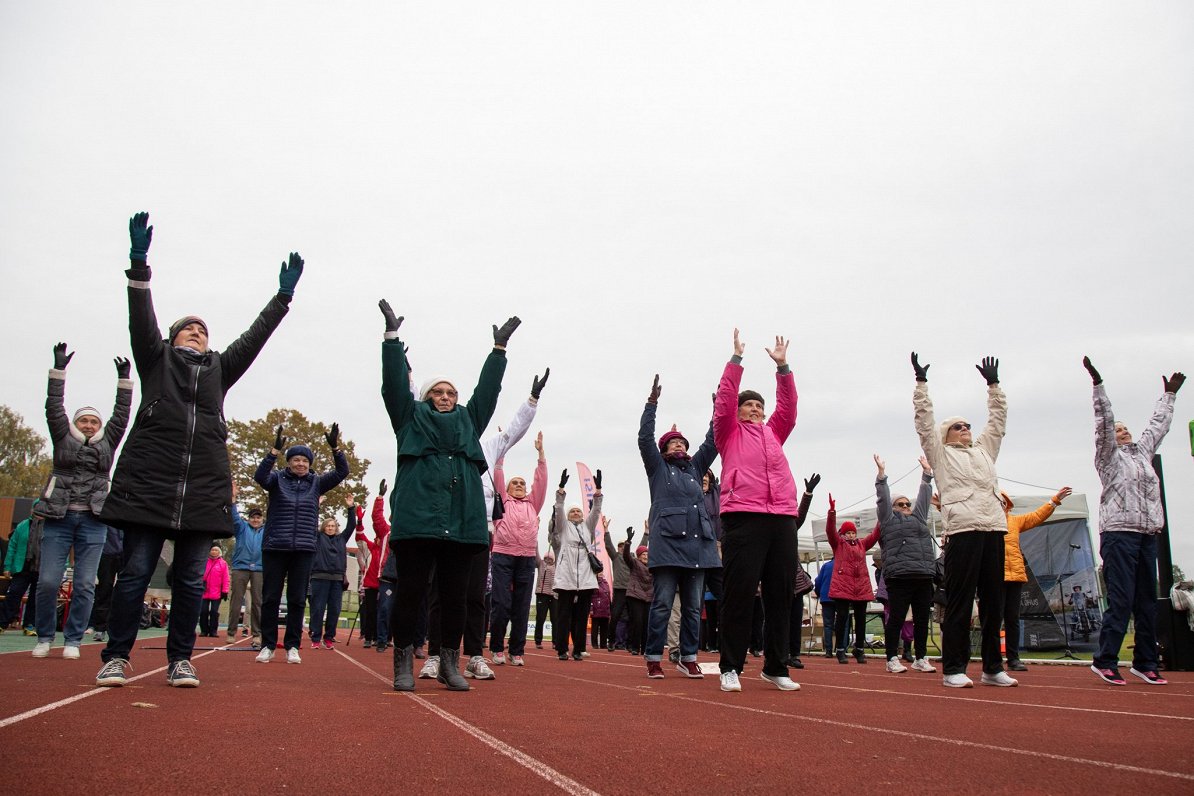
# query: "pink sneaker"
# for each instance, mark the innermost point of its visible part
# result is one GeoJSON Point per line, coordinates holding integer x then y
{"type": "Point", "coordinates": [499, 659]}
{"type": "Point", "coordinates": [315, 645]}
{"type": "Point", "coordinates": [516, 660]}
{"type": "Point", "coordinates": [327, 643]}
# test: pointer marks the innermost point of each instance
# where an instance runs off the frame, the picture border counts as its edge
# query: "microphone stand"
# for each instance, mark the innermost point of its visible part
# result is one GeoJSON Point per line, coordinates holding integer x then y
{"type": "Point", "coordinates": [1068, 653]}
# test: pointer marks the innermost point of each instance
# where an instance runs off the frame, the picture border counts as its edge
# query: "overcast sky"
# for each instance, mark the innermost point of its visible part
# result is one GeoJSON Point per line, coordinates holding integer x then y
{"type": "Point", "coordinates": [633, 180]}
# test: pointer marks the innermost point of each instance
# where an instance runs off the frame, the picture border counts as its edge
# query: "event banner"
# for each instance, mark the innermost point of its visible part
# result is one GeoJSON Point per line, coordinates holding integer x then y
{"type": "Point", "coordinates": [1059, 606]}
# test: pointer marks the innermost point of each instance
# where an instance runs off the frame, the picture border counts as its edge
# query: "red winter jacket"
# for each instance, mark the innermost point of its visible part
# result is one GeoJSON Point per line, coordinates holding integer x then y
{"type": "Point", "coordinates": [378, 547]}
{"type": "Point", "coordinates": [851, 581]}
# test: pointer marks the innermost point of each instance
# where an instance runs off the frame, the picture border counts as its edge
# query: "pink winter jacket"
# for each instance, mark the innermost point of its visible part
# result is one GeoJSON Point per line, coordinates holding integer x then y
{"type": "Point", "coordinates": [755, 475]}
{"type": "Point", "coordinates": [217, 580]}
{"type": "Point", "coordinates": [517, 532]}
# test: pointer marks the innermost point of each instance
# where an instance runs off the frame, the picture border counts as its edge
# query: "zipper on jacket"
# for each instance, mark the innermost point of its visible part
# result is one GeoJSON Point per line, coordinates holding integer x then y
{"type": "Point", "coordinates": [192, 411]}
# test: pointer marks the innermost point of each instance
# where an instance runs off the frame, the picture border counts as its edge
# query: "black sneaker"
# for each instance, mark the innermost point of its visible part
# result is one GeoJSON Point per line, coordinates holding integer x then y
{"type": "Point", "coordinates": [1110, 675]}
{"type": "Point", "coordinates": [112, 673]}
{"type": "Point", "coordinates": [182, 675]}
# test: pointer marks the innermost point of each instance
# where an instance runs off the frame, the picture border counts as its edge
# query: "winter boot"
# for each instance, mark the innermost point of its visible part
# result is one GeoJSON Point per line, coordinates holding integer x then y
{"type": "Point", "coordinates": [859, 655]}
{"type": "Point", "coordinates": [842, 656]}
{"type": "Point", "coordinates": [404, 668]}
{"type": "Point", "coordinates": [449, 671]}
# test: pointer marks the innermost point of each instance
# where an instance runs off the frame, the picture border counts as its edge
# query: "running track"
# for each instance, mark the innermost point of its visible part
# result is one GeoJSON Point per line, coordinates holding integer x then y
{"type": "Point", "coordinates": [595, 726]}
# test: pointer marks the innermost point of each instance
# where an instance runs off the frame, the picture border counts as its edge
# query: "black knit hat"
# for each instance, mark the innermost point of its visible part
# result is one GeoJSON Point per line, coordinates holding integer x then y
{"type": "Point", "coordinates": [750, 395]}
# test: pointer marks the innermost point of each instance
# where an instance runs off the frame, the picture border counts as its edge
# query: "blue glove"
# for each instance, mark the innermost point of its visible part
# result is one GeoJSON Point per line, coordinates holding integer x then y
{"type": "Point", "coordinates": [140, 234]}
{"type": "Point", "coordinates": [288, 277]}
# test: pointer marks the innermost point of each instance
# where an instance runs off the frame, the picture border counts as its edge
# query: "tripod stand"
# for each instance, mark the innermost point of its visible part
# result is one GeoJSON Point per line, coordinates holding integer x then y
{"type": "Point", "coordinates": [1068, 653]}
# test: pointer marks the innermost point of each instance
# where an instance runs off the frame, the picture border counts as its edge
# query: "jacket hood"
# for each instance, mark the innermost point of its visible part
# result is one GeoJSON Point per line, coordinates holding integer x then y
{"type": "Point", "coordinates": [943, 426]}
{"type": "Point", "coordinates": [1007, 502]}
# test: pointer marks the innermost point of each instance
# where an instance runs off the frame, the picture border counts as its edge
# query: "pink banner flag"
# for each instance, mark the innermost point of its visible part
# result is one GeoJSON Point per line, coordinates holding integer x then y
{"type": "Point", "coordinates": [587, 489]}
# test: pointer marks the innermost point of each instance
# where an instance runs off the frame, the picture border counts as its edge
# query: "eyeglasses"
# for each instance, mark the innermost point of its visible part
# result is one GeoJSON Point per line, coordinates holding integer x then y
{"type": "Point", "coordinates": [959, 426]}
{"type": "Point", "coordinates": [903, 504]}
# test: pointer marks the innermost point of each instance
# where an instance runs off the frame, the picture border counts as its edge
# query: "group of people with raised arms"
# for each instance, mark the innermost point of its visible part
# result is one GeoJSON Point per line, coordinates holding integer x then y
{"type": "Point", "coordinates": [455, 515]}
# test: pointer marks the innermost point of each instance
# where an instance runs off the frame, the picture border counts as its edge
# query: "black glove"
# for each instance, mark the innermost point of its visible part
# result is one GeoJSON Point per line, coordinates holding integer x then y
{"type": "Point", "coordinates": [140, 235]}
{"type": "Point", "coordinates": [1174, 382]}
{"type": "Point", "coordinates": [123, 368]}
{"type": "Point", "coordinates": [279, 440]}
{"type": "Point", "coordinates": [537, 384]}
{"type": "Point", "coordinates": [224, 596]}
{"type": "Point", "coordinates": [629, 534]}
{"type": "Point", "coordinates": [381, 489]}
{"type": "Point", "coordinates": [597, 479]}
{"type": "Point", "coordinates": [61, 358]}
{"type": "Point", "coordinates": [1094, 374]}
{"type": "Point", "coordinates": [811, 483]}
{"type": "Point", "coordinates": [656, 390]}
{"type": "Point", "coordinates": [502, 336]}
{"type": "Point", "coordinates": [563, 478]}
{"type": "Point", "coordinates": [333, 436]}
{"type": "Point", "coordinates": [990, 370]}
{"type": "Point", "coordinates": [392, 321]}
{"type": "Point", "coordinates": [922, 373]}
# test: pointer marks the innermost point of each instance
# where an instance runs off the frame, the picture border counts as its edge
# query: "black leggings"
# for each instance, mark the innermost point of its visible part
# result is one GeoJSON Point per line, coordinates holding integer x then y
{"type": "Point", "coordinates": [842, 619]}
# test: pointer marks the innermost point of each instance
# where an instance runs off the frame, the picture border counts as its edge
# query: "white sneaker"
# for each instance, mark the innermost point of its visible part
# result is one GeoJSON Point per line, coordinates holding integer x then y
{"type": "Point", "coordinates": [894, 666]}
{"type": "Point", "coordinates": [265, 656]}
{"type": "Point", "coordinates": [70, 652]}
{"type": "Point", "coordinates": [499, 659]}
{"type": "Point", "coordinates": [292, 655]}
{"type": "Point", "coordinates": [729, 681]}
{"type": "Point", "coordinates": [957, 681]}
{"type": "Point", "coordinates": [923, 665]}
{"type": "Point", "coordinates": [781, 682]}
{"type": "Point", "coordinates": [584, 654]}
{"type": "Point", "coordinates": [430, 669]}
{"type": "Point", "coordinates": [1000, 679]}
{"type": "Point", "coordinates": [478, 668]}
{"type": "Point", "coordinates": [41, 649]}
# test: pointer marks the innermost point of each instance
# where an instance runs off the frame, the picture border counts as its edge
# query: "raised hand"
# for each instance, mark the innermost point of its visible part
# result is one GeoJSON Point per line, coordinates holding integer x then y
{"type": "Point", "coordinates": [539, 444]}
{"type": "Point", "coordinates": [832, 503]}
{"type": "Point", "coordinates": [739, 348]}
{"type": "Point", "coordinates": [1090, 368]}
{"type": "Point", "coordinates": [123, 367]}
{"type": "Point", "coordinates": [990, 370]}
{"type": "Point", "coordinates": [333, 436]}
{"type": "Point", "coordinates": [61, 358]}
{"type": "Point", "coordinates": [597, 480]}
{"type": "Point", "coordinates": [779, 354]}
{"type": "Point", "coordinates": [235, 491]}
{"type": "Point", "coordinates": [655, 391]}
{"type": "Point", "coordinates": [1174, 382]}
{"type": "Point", "coordinates": [629, 533]}
{"type": "Point", "coordinates": [288, 277]}
{"type": "Point", "coordinates": [501, 337]}
{"type": "Point", "coordinates": [537, 384]}
{"type": "Point", "coordinates": [880, 465]}
{"type": "Point", "coordinates": [279, 440]}
{"type": "Point", "coordinates": [564, 478]}
{"type": "Point", "coordinates": [922, 371]}
{"type": "Point", "coordinates": [140, 236]}
{"type": "Point", "coordinates": [392, 321]}
{"type": "Point", "coordinates": [381, 488]}
{"type": "Point", "coordinates": [350, 500]}
{"type": "Point", "coordinates": [811, 483]}
{"type": "Point", "coordinates": [925, 466]}
{"type": "Point", "coordinates": [1062, 494]}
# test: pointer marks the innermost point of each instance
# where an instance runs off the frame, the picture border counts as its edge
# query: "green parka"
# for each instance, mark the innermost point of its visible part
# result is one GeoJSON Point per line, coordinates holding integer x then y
{"type": "Point", "coordinates": [437, 490]}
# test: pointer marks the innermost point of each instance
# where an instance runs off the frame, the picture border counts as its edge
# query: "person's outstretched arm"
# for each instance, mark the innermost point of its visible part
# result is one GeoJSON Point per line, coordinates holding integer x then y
{"type": "Point", "coordinates": [647, 449]}
{"type": "Point", "coordinates": [483, 401]}
{"type": "Point", "coordinates": [1158, 424]}
{"type": "Point", "coordinates": [926, 424]}
{"type": "Point", "coordinates": [992, 437]}
{"type": "Point", "coordinates": [1105, 444]}
{"type": "Point", "coordinates": [924, 496]}
{"type": "Point", "coordinates": [243, 350]}
{"type": "Point", "coordinates": [806, 501]}
{"type": "Point", "coordinates": [882, 493]}
{"type": "Point", "coordinates": [831, 523]}
{"type": "Point", "coordinates": [56, 419]}
{"type": "Point", "coordinates": [783, 419]}
{"type": "Point", "coordinates": [119, 420]}
{"type": "Point", "coordinates": [145, 336]}
{"type": "Point", "coordinates": [395, 373]}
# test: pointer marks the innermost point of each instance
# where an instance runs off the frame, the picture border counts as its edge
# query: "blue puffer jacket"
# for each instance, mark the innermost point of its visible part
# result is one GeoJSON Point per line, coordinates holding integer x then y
{"type": "Point", "coordinates": [293, 517]}
{"type": "Point", "coordinates": [682, 534]}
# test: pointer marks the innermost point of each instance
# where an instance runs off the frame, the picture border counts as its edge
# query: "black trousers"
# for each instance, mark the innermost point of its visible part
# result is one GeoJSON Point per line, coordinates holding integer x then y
{"type": "Point", "coordinates": [545, 608]}
{"type": "Point", "coordinates": [796, 626]}
{"type": "Point", "coordinates": [367, 622]}
{"type": "Point", "coordinates": [636, 636]}
{"type": "Point", "coordinates": [415, 559]}
{"type": "Point", "coordinates": [572, 613]}
{"type": "Point", "coordinates": [757, 548]}
{"type": "Point", "coordinates": [842, 622]}
{"type": "Point", "coordinates": [902, 592]}
{"type": "Point", "coordinates": [109, 567]}
{"type": "Point", "coordinates": [618, 612]}
{"type": "Point", "coordinates": [973, 566]}
{"type": "Point", "coordinates": [474, 608]}
{"type": "Point", "coordinates": [1011, 618]}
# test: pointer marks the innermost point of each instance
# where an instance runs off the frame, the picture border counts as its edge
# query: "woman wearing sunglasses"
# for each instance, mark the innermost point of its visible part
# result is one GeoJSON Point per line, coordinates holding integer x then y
{"type": "Point", "coordinates": [908, 564]}
{"type": "Point", "coordinates": [975, 524]}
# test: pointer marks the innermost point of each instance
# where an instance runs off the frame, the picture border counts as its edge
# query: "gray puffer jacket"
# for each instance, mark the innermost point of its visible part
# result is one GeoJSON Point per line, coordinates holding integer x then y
{"type": "Point", "coordinates": [904, 538]}
{"type": "Point", "coordinates": [81, 465]}
{"type": "Point", "coordinates": [1131, 499]}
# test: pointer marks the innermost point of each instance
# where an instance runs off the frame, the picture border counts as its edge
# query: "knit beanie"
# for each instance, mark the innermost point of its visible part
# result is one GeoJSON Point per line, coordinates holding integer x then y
{"type": "Point", "coordinates": [750, 395]}
{"type": "Point", "coordinates": [642, 548]}
{"type": "Point", "coordinates": [434, 380]}
{"type": "Point", "coordinates": [668, 437]}
{"type": "Point", "coordinates": [176, 327]}
{"type": "Point", "coordinates": [847, 527]}
{"type": "Point", "coordinates": [300, 450]}
{"type": "Point", "coordinates": [87, 411]}
{"type": "Point", "coordinates": [944, 426]}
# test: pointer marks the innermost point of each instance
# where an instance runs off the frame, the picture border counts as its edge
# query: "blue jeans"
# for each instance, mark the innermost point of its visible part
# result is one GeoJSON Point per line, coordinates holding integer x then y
{"type": "Point", "coordinates": [82, 531]}
{"type": "Point", "coordinates": [691, 584]}
{"type": "Point", "coordinates": [1130, 573]}
{"type": "Point", "coordinates": [141, 552]}
{"type": "Point", "coordinates": [326, 596]}
{"type": "Point", "coordinates": [511, 606]}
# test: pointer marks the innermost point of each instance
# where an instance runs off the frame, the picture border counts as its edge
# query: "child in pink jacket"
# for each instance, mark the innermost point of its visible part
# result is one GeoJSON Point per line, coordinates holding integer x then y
{"type": "Point", "coordinates": [217, 580]}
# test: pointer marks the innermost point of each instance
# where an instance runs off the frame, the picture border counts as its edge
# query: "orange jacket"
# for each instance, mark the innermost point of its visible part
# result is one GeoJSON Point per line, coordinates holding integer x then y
{"type": "Point", "coordinates": [1013, 559]}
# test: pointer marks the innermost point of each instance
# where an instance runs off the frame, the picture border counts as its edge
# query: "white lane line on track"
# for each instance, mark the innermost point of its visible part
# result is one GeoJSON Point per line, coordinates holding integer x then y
{"type": "Point", "coordinates": [540, 768]}
{"type": "Point", "coordinates": [29, 714]}
{"type": "Point", "coordinates": [896, 733]}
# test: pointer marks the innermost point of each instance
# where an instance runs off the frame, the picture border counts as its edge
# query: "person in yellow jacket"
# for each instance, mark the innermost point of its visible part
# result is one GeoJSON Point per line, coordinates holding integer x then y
{"type": "Point", "coordinates": [1014, 575]}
